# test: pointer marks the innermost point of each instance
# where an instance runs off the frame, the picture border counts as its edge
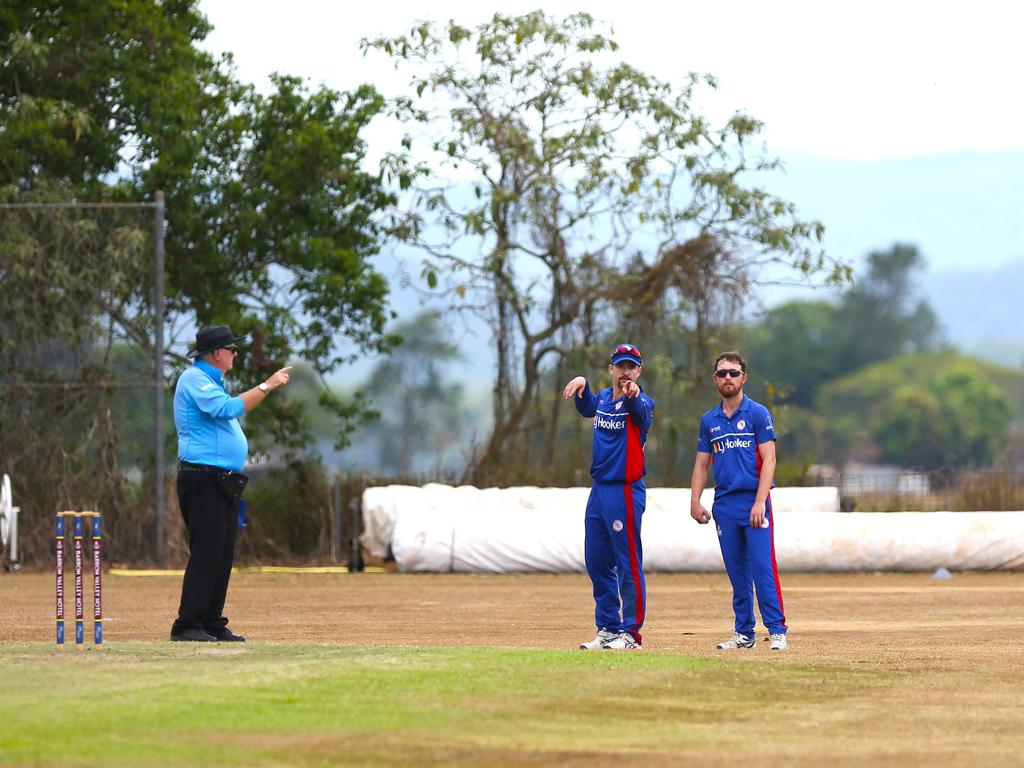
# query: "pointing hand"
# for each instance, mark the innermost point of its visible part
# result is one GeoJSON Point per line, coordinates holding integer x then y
{"type": "Point", "coordinates": [280, 378]}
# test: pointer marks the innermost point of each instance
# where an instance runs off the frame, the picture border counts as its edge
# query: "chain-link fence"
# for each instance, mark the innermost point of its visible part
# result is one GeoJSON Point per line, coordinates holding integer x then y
{"type": "Point", "coordinates": [885, 488]}
{"type": "Point", "coordinates": [80, 388]}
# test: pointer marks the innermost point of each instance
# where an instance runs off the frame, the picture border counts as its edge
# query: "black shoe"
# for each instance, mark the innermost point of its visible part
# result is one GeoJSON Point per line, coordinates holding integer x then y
{"type": "Point", "coordinates": [192, 635]}
{"type": "Point", "coordinates": [225, 635]}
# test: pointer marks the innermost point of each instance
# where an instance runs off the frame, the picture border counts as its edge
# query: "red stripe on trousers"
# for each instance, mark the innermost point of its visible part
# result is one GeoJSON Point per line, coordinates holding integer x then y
{"type": "Point", "coordinates": [775, 565]}
{"type": "Point", "coordinates": [634, 564]}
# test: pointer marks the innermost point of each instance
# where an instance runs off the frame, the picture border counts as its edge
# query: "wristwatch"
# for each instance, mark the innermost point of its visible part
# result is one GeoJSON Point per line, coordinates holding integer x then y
{"type": "Point", "coordinates": [262, 386]}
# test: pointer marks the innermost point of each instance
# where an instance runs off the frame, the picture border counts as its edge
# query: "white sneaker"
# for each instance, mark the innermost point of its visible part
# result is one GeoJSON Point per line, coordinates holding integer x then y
{"type": "Point", "coordinates": [779, 643]}
{"type": "Point", "coordinates": [603, 636]}
{"type": "Point", "coordinates": [622, 642]}
{"type": "Point", "coordinates": [738, 641]}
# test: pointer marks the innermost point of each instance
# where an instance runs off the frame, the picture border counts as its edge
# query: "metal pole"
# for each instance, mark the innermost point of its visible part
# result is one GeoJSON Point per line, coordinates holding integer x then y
{"type": "Point", "coordinates": [158, 366]}
{"type": "Point", "coordinates": [43, 206]}
{"type": "Point", "coordinates": [355, 551]}
{"type": "Point", "coordinates": [336, 520]}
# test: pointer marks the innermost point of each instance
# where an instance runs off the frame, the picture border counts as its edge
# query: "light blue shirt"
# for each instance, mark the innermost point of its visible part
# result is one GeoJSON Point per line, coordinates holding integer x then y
{"type": "Point", "coordinates": [206, 418]}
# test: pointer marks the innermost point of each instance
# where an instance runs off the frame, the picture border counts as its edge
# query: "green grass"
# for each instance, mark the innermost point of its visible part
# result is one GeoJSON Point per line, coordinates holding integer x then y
{"type": "Point", "coordinates": [162, 704]}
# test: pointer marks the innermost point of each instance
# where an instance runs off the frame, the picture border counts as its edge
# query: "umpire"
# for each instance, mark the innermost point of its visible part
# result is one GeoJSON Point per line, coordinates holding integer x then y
{"type": "Point", "coordinates": [212, 450]}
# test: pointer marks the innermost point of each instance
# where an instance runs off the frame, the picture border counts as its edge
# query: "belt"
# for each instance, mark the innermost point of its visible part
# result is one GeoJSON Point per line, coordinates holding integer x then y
{"type": "Point", "coordinates": [200, 467]}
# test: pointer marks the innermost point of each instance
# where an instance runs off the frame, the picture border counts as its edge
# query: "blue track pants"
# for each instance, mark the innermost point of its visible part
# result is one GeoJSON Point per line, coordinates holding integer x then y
{"type": "Point", "coordinates": [614, 555]}
{"type": "Point", "coordinates": [749, 556]}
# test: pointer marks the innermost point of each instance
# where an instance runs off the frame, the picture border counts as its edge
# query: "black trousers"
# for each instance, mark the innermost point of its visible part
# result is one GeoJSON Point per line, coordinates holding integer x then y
{"type": "Point", "coordinates": [212, 522]}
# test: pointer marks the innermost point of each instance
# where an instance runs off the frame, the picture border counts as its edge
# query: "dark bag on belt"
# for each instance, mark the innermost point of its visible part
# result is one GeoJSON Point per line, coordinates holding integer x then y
{"type": "Point", "coordinates": [231, 484]}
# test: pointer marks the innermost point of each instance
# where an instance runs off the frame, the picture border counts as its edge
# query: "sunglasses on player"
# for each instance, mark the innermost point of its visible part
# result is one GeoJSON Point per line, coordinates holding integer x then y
{"type": "Point", "coordinates": [733, 373]}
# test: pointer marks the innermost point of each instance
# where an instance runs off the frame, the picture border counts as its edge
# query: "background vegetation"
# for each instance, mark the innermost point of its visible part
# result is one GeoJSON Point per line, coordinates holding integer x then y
{"type": "Point", "coordinates": [549, 189]}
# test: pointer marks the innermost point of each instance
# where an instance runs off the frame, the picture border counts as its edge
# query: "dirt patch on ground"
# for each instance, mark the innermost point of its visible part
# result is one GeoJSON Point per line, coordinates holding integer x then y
{"type": "Point", "coordinates": [967, 623]}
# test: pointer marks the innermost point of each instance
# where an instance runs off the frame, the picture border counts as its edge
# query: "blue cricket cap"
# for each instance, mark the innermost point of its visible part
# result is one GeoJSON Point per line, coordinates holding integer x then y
{"type": "Point", "coordinates": [625, 352]}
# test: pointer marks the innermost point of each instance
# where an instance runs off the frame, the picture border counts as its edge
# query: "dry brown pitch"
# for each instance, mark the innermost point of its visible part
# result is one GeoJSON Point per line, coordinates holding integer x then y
{"type": "Point", "coordinates": [970, 622]}
{"type": "Point", "coordinates": [945, 657]}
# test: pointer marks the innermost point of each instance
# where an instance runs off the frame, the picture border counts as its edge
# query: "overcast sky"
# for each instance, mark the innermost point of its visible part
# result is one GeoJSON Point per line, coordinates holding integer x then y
{"type": "Point", "coordinates": [871, 81]}
{"type": "Point", "coordinates": [866, 81]}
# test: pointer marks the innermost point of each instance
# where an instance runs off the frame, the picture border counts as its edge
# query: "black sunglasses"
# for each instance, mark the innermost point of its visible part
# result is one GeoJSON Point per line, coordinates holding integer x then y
{"type": "Point", "coordinates": [733, 373]}
{"type": "Point", "coordinates": [232, 350]}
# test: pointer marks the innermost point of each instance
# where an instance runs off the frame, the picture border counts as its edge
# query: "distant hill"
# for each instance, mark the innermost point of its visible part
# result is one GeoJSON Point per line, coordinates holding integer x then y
{"type": "Point", "coordinates": [981, 310]}
{"type": "Point", "coordinates": [964, 211]}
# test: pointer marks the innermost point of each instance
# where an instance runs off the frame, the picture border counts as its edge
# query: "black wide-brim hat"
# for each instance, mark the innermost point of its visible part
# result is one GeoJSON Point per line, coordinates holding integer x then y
{"type": "Point", "coordinates": [214, 337]}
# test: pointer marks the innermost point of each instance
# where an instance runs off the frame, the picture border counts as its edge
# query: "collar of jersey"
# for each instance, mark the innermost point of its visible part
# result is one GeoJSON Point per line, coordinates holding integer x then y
{"type": "Point", "coordinates": [744, 406]}
{"type": "Point", "coordinates": [209, 370]}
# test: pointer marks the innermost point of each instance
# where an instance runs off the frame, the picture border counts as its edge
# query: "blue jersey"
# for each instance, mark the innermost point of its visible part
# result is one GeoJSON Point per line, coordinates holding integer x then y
{"type": "Point", "coordinates": [206, 418]}
{"type": "Point", "coordinates": [732, 442]}
{"type": "Point", "coordinates": [620, 433]}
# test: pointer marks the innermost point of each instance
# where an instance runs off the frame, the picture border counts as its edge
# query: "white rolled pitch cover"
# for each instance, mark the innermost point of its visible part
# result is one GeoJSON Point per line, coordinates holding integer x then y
{"type": "Point", "coordinates": [8, 522]}
{"type": "Point", "coordinates": [491, 530]}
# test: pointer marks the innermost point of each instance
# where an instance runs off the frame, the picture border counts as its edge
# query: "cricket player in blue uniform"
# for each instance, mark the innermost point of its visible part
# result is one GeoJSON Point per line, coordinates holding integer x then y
{"type": "Point", "coordinates": [738, 437]}
{"type": "Point", "coordinates": [613, 551]}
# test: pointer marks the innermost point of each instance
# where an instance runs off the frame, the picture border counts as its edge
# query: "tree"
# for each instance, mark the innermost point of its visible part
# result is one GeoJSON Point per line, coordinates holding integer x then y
{"type": "Point", "coordinates": [881, 315]}
{"type": "Point", "coordinates": [567, 198]}
{"type": "Point", "coordinates": [271, 221]}
{"type": "Point", "coordinates": [271, 226]}
{"type": "Point", "coordinates": [275, 229]}
{"type": "Point", "coordinates": [84, 87]}
{"type": "Point", "coordinates": [66, 378]}
{"type": "Point", "coordinates": [421, 407]}
{"type": "Point", "coordinates": [800, 346]}
{"type": "Point", "coordinates": [795, 350]}
{"type": "Point", "coordinates": [927, 411]}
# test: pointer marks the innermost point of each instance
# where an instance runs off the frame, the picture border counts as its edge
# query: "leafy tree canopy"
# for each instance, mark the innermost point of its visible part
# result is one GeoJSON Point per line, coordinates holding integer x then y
{"type": "Point", "coordinates": [800, 346]}
{"type": "Point", "coordinates": [271, 220]}
{"type": "Point", "coordinates": [926, 411]}
{"type": "Point", "coordinates": [882, 314]}
{"type": "Point", "coordinates": [86, 87]}
{"type": "Point", "coordinates": [423, 417]}
{"type": "Point", "coordinates": [571, 198]}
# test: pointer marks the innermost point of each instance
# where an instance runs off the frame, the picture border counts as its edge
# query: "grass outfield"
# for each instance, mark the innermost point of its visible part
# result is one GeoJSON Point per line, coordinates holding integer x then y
{"type": "Point", "coordinates": [884, 670]}
{"type": "Point", "coordinates": [317, 705]}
